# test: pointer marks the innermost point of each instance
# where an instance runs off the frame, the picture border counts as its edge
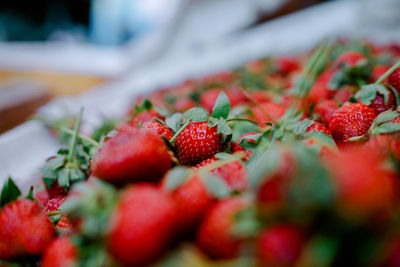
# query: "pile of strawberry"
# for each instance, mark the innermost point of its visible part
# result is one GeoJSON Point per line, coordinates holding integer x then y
{"type": "Point", "coordinates": [285, 161]}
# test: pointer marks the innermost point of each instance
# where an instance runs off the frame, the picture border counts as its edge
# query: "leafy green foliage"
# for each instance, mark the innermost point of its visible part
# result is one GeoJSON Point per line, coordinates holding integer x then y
{"type": "Point", "coordinates": [222, 107]}
{"type": "Point", "coordinates": [215, 185]}
{"type": "Point", "coordinates": [356, 75]}
{"type": "Point", "coordinates": [174, 121]}
{"type": "Point", "coordinates": [9, 193]}
{"type": "Point", "coordinates": [102, 131]}
{"type": "Point", "coordinates": [252, 81]}
{"type": "Point", "coordinates": [367, 93]}
{"type": "Point", "coordinates": [196, 114]}
{"type": "Point", "coordinates": [176, 177]}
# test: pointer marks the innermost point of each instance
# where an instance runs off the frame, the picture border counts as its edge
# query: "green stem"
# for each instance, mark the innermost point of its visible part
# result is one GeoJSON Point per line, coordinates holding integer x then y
{"type": "Point", "coordinates": [179, 131]}
{"type": "Point", "coordinates": [387, 73]}
{"type": "Point", "coordinates": [74, 141]}
{"type": "Point", "coordinates": [241, 119]}
{"type": "Point", "coordinates": [82, 137]}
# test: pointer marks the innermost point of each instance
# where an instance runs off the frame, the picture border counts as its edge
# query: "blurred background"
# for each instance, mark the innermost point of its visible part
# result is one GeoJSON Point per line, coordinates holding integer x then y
{"type": "Point", "coordinates": [52, 49]}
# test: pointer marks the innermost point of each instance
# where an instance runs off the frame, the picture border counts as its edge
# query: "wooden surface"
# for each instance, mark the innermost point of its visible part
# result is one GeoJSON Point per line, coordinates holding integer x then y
{"type": "Point", "coordinates": [24, 92]}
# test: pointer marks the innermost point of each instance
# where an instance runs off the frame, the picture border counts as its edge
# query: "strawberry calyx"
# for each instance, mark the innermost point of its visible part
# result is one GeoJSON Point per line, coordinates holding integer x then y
{"type": "Point", "coordinates": [70, 165]}
{"type": "Point", "coordinates": [351, 75]}
{"type": "Point", "coordinates": [383, 123]}
{"type": "Point", "coordinates": [10, 192]}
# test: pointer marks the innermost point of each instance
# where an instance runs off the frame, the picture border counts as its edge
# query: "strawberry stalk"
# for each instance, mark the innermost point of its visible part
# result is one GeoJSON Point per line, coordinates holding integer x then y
{"type": "Point", "coordinates": [387, 73]}
{"type": "Point", "coordinates": [74, 141]}
{"type": "Point", "coordinates": [81, 137]}
{"type": "Point", "coordinates": [240, 119]}
{"type": "Point", "coordinates": [180, 130]}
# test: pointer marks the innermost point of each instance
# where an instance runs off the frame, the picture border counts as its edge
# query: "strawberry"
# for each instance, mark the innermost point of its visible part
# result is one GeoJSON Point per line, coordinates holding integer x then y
{"type": "Point", "coordinates": [159, 129]}
{"type": "Point", "coordinates": [325, 109]}
{"type": "Point", "coordinates": [233, 173]}
{"type": "Point", "coordinates": [42, 196]}
{"type": "Point", "coordinates": [344, 94]}
{"type": "Point", "coordinates": [377, 72]}
{"type": "Point", "coordinates": [197, 142]}
{"type": "Point", "coordinates": [192, 200]}
{"type": "Point", "coordinates": [183, 104]}
{"type": "Point", "coordinates": [25, 230]}
{"type": "Point", "coordinates": [215, 236]}
{"type": "Point", "coordinates": [394, 79]}
{"type": "Point", "coordinates": [350, 121]}
{"type": "Point", "coordinates": [64, 225]}
{"type": "Point", "coordinates": [275, 110]}
{"type": "Point", "coordinates": [378, 103]}
{"type": "Point", "coordinates": [318, 127]}
{"type": "Point", "coordinates": [61, 252]}
{"type": "Point", "coordinates": [287, 65]}
{"type": "Point", "coordinates": [350, 58]}
{"type": "Point", "coordinates": [320, 90]}
{"type": "Point", "coordinates": [132, 156]}
{"type": "Point", "coordinates": [145, 116]}
{"type": "Point", "coordinates": [141, 225]}
{"type": "Point", "coordinates": [238, 148]}
{"type": "Point", "coordinates": [54, 203]}
{"type": "Point", "coordinates": [364, 186]}
{"type": "Point", "coordinates": [279, 245]}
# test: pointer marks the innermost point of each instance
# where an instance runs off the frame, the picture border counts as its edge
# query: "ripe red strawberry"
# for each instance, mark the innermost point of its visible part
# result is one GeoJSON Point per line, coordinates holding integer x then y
{"type": "Point", "coordinates": [233, 173]}
{"type": "Point", "coordinates": [365, 187]}
{"type": "Point", "coordinates": [183, 104]}
{"type": "Point", "coordinates": [61, 252]}
{"type": "Point", "coordinates": [344, 94]}
{"type": "Point", "coordinates": [25, 230]}
{"type": "Point", "coordinates": [64, 225]}
{"type": "Point", "coordinates": [145, 116]}
{"type": "Point", "coordinates": [141, 225]}
{"type": "Point", "coordinates": [325, 109]}
{"type": "Point", "coordinates": [377, 72]}
{"type": "Point", "coordinates": [215, 236]}
{"type": "Point", "coordinates": [287, 65]}
{"type": "Point", "coordinates": [394, 79]}
{"type": "Point", "coordinates": [378, 103]}
{"type": "Point", "coordinates": [275, 110]}
{"type": "Point", "coordinates": [351, 58]}
{"type": "Point", "coordinates": [132, 156]}
{"type": "Point", "coordinates": [320, 90]}
{"type": "Point", "coordinates": [54, 203]}
{"type": "Point", "coordinates": [197, 142]}
{"type": "Point", "coordinates": [192, 200]}
{"type": "Point", "coordinates": [350, 121]}
{"type": "Point", "coordinates": [158, 128]}
{"type": "Point", "coordinates": [280, 245]}
{"type": "Point", "coordinates": [42, 196]}
{"type": "Point", "coordinates": [318, 127]}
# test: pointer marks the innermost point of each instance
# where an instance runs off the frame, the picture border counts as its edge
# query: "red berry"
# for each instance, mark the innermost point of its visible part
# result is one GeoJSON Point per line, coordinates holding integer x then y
{"type": "Point", "coordinates": [25, 230]}
{"type": "Point", "coordinates": [365, 187]}
{"type": "Point", "coordinates": [275, 110]}
{"type": "Point", "coordinates": [351, 58]}
{"type": "Point", "coordinates": [197, 142]}
{"type": "Point", "coordinates": [209, 97]}
{"type": "Point", "coordinates": [318, 127]}
{"type": "Point", "coordinates": [378, 103]}
{"type": "Point", "coordinates": [159, 129]}
{"type": "Point", "coordinates": [238, 148]}
{"type": "Point", "coordinates": [351, 120]}
{"type": "Point", "coordinates": [325, 109]}
{"type": "Point", "coordinates": [215, 236]}
{"type": "Point", "coordinates": [64, 225]}
{"type": "Point", "coordinates": [394, 79]}
{"type": "Point", "coordinates": [54, 203]}
{"type": "Point", "coordinates": [60, 253]}
{"type": "Point", "coordinates": [192, 200]}
{"type": "Point", "coordinates": [145, 116]}
{"type": "Point", "coordinates": [320, 90]}
{"type": "Point", "coordinates": [280, 245]}
{"type": "Point", "coordinates": [141, 225]}
{"type": "Point", "coordinates": [131, 156]}
{"type": "Point", "coordinates": [233, 173]}
{"type": "Point", "coordinates": [184, 104]}
{"type": "Point", "coordinates": [377, 72]}
{"type": "Point", "coordinates": [287, 65]}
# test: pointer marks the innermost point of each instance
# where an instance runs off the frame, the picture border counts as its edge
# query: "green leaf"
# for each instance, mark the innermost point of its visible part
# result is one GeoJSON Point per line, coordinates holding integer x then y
{"type": "Point", "coordinates": [215, 185]}
{"type": "Point", "coordinates": [212, 122]}
{"type": "Point", "coordinates": [76, 174]}
{"type": "Point", "coordinates": [50, 169]}
{"type": "Point", "coordinates": [322, 138]}
{"type": "Point", "coordinates": [262, 165]}
{"type": "Point", "coordinates": [63, 177]}
{"type": "Point", "coordinates": [223, 155]}
{"type": "Point", "coordinates": [386, 128]}
{"type": "Point", "coordinates": [222, 107]}
{"type": "Point", "coordinates": [174, 121]}
{"type": "Point", "coordinates": [196, 114]}
{"type": "Point", "coordinates": [223, 127]}
{"type": "Point", "coordinates": [176, 177]}
{"type": "Point", "coordinates": [30, 193]}
{"type": "Point", "coordinates": [102, 131]}
{"type": "Point", "coordinates": [147, 105]}
{"type": "Point", "coordinates": [368, 92]}
{"type": "Point", "coordinates": [250, 141]}
{"type": "Point", "coordinates": [9, 193]}
{"type": "Point", "coordinates": [300, 128]}
{"type": "Point", "coordinates": [386, 116]}
{"type": "Point", "coordinates": [246, 223]}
